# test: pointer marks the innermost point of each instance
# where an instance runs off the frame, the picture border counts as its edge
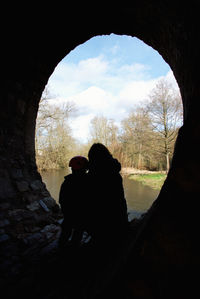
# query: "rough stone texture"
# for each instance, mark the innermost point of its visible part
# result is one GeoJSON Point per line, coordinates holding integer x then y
{"type": "Point", "coordinates": [166, 247]}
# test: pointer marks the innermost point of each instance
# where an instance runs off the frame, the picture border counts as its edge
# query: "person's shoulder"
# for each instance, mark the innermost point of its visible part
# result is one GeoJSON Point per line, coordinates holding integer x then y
{"type": "Point", "coordinates": [117, 165]}
{"type": "Point", "coordinates": [114, 166]}
{"type": "Point", "coordinates": [68, 178]}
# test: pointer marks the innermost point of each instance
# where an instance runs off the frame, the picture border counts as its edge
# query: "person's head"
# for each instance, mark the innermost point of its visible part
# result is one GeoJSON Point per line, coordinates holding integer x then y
{"type": "Point", "coordinates": [98, 153]}
{"type": "Point", "coordinates": [100, 159]}
{"type": "Point", "coordinates": [79, 164]}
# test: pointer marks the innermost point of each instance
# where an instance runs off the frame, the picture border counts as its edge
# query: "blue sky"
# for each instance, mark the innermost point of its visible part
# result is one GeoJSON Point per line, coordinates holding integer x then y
{"type": "Point", "coordinates": [124, 49]}
{"type": "Point", "coordinates": [107, 75]}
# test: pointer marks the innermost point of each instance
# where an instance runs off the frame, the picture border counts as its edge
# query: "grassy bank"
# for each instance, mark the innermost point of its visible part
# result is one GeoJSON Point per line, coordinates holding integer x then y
{"type": "Point", "coordinates": [153, 180]}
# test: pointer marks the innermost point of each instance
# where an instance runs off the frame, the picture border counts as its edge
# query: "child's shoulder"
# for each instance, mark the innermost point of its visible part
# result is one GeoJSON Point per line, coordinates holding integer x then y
{"type": "Point", "coordinates": [68, 176]}
{"type": "Point", "coordinates": [67, 179]}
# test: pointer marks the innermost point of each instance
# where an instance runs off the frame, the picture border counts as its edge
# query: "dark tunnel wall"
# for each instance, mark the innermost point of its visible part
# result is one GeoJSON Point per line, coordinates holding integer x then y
{"type": "Point", "coordinates": [33, 45]}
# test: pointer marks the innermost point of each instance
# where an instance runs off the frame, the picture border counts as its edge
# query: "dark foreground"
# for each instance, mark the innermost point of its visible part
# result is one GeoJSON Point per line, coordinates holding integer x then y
{"type": "Point", "coordinates": [101, 272]}
{"type": "Point", "coordinates": [88, 271]}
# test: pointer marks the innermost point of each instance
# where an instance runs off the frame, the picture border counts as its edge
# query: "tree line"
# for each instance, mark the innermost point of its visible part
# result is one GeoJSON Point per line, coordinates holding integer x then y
{"type": "Point", "coordinates": [144, 139]}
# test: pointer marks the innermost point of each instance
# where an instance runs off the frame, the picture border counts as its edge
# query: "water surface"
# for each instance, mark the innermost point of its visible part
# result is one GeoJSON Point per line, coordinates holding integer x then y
{"type": "Point", "coordinates": [139, 197]}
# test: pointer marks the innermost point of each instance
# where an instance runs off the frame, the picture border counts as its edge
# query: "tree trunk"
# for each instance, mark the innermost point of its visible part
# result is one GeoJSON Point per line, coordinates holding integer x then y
{"type": "Point", "coordinates": [167, 162]}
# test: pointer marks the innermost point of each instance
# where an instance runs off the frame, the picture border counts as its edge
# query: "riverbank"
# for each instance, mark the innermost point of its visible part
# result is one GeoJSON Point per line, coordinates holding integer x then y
{"type": "Point", "coordinates": [153, 179]}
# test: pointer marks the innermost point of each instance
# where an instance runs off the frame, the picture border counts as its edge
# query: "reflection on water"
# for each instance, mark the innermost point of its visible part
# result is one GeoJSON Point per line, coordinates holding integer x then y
{"type": "Point", "coordinates": [53, 180]}
{"type": "Point", "coordinates": [139, 197]}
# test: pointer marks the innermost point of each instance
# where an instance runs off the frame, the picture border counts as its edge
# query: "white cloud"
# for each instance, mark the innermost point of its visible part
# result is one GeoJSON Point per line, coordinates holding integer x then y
{"type": "Point", "coordinates": [80, 126]}
{"type": "Point", "coordinates": [92, 68]}
{"type": "Point", "coordinates": [91, 100]}
{"type": "Point", "coordinates": [70, 78]}
{"type": "Point", "coordinates": [171, 79]}
{"type": "Point", "coordinates": [95, 98]}
{"type": "Point", "coordinates": [136, 91]}
{"type": "Point", "coordinates": [135, 71]}
{"type": "Point", "coordinates": [97, 87]}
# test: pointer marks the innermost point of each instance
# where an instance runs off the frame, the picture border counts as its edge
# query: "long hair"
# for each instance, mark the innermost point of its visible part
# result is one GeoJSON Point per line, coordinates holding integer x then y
{"type": "Point", "coordinates": [99, 157]}
{"type": "Point", "coordinates": [98, 152]}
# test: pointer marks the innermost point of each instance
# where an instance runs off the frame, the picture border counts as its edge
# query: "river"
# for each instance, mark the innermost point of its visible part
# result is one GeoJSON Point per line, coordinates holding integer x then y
{"type": "Point", "coordinates": [139, 197]}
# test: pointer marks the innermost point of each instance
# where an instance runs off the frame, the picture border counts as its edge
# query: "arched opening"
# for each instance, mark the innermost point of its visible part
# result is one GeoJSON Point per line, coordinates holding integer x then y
{"type": "Point", "coordinates": [111, 90]}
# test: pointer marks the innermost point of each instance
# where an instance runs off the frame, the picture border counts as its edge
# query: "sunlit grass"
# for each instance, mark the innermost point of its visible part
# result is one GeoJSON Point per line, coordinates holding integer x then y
{"type": "Point", "coordinates": [153, 180]}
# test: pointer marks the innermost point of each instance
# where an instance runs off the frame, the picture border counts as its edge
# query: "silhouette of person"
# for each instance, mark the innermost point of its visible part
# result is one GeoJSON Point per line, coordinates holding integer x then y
{"type": "Point", "coordinates": [109, 219]}
{"type": "Point", "coordinates": [72, 198]}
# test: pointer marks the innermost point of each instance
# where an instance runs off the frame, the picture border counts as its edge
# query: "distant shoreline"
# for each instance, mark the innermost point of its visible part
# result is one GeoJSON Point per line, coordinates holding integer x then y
{"type": "Point", "coordinates": [131, 170]}
{"type": "Point", "coordinates": [153, 179]}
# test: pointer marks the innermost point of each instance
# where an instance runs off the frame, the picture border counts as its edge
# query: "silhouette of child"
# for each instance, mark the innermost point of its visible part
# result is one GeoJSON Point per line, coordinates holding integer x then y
{"type": "Point", "coordinates": [72, 198]}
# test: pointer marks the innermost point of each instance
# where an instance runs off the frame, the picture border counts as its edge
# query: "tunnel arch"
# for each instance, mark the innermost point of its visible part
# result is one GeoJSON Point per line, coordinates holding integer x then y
{"type": "Point", "coordinates": [29, 218]}
{"type": "Point", "coordinates": [78, 56]}
{"type": "Point", "coordinates": [65, 51]}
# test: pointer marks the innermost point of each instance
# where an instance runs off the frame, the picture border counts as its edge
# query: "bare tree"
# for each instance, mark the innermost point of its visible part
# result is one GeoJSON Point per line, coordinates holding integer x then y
{"type": "Point", "coordinates": [103, 130]}
{"type": "Point", "coordinates": [54, 142]}
{"type": "Point", "coordinates": [135, 137]}
{"type": "Point", "coordinates": [165, 111]}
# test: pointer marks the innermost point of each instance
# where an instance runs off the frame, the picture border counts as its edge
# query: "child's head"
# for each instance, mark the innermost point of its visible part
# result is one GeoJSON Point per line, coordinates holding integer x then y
{"type": "Point", "coordinates": [78, 164]}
